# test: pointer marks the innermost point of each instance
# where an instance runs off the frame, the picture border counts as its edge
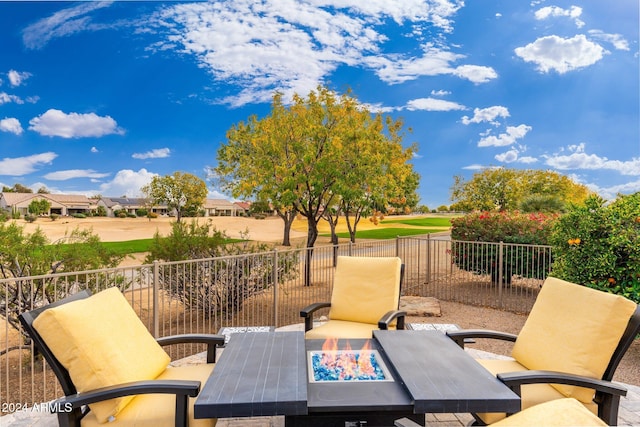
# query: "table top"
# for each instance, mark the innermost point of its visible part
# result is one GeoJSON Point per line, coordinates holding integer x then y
{"type": "Point", "coordinates": [441, 376]}
{"type": "Point", "coordinates": [266, 374]}
{"type": "Point", "coordinates": [258, 374]}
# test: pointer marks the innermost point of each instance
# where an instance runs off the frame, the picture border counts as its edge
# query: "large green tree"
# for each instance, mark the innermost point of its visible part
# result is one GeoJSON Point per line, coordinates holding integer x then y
{"type": "Point", "coordinates": [317, 154]}
{"type": "Point", "coordinates": [180, 191]}
{"type": "Point", "coordinates": [510, 189]}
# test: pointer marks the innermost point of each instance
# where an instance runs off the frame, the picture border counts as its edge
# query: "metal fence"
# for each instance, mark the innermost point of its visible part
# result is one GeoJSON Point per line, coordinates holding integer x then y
{"type": "Point", "coordinates": [201, 296]}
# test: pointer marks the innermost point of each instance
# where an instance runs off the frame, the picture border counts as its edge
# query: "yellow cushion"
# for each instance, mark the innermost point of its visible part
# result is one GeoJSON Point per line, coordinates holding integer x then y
{"type": "Point", "coordinates": [342, 329]}
{"type": "Point", "coordinates": [531, 394]}
{"type": "Point", "coordinates": [365, 288]}
{"type": "Point", "coordinates": [567, 412]}
{"type": "Point", "coordinates": [572, 329]}
{"type": "Point", "coordinates": [101, 342]}
{"type": "Point", "coordinates": [158, 410]}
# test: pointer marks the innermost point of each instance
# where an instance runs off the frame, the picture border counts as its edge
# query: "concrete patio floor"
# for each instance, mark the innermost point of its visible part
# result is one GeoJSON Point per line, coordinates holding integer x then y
{"type": "Point", "coordinates": [629, 412]}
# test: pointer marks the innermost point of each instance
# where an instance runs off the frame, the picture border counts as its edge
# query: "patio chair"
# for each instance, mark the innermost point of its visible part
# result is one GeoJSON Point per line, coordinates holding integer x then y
{"type": "Point", "coordinates": [110, 367]}
{"type": "Point", "coordinates": [365, 297]}
{"type": "Point", "coordinates": [567, 412]}
{"type": "Point", "coordinates": [569, 346]}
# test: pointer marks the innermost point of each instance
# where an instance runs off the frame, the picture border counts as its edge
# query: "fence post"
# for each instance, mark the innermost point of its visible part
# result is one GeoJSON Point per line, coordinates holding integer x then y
{"type": "Point", "coordinates": [500, 272]}
{"type": "Point", "coordinates": [350, 248]}
{"type": "Point", "coordinates": [156, 281]}
{"type": "Point", "coordinates": [275, 287]}
{"type": "Point", "coordinates": [428, 267]}
{"type": "Point", "coordinates": [398, 246]}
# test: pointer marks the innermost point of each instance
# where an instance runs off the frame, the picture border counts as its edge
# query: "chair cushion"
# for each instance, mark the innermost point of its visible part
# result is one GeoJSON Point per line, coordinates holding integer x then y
{"type": "Point", "coordinates": [158, 410]}
{"type": "Point", "coordinates": [572, 329]}
{"type": "Point", "coordinates": [365, 288]}
{"type": "Point", "coordinates": [101, 342]}
{"type": "Point", "coordinates": [532, 394]}
{"type": "Point", "coordinates": [342, 329]}
{"type": "Point", "coordinates": [567, 412]}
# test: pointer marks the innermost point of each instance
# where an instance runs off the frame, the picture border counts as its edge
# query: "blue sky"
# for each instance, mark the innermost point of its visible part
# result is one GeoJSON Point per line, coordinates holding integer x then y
{"type": "Point", "coordinates": [97, 97]}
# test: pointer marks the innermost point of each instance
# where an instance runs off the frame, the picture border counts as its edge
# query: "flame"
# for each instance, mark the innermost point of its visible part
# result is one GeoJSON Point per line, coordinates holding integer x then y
{"type": "Point", "coordinates": [345, 362]}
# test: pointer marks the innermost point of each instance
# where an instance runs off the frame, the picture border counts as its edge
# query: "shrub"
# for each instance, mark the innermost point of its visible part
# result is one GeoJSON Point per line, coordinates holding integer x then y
{"type": "Point", "coordinates": [121, 214]}
{"type": "Point", "coordinates": [101, 211]}
{"type": "Point", "coordinates": [54, 216]}
{"type": "Point", "coordinates": [598, 245]}
{"type": "Point", "coordinates": [131, 215]}
{"type": "Point", "coordinates": [141, 212]}
{"type": "Point", "coordinates": [30, 217]}
{"type": "Point", "coordinates": [215, 285]}
{"type": "Point", "coordinates": [4, 215]}
{"type": "Point", "coordinates": [513, 228]}
{"type": "Point", "coordinates": [152, 215]}
{"type": "Point", "coordinates": [79, 215]}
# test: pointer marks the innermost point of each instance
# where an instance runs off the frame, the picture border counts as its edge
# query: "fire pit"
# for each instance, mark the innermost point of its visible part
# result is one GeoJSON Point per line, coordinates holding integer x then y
{"type": "Point", "coordinates": [333, 365]}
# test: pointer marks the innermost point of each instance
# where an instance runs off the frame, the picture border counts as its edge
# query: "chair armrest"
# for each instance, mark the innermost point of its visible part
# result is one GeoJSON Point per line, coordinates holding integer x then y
{"type": "Point", "coordinates": [460, 336]}
{"type": "Point", "coordinates": [386, 320]}
{"type": "Point", "coordinates": [212, 341]}
{"type": "Point", "coordinates": [516, 379]}
{"type": "Point", "coordinates": [607, 393]}
{"type": "Point", "coordinates": [308, 311]}
{"type": "Point", "coordinates": [181, 389]}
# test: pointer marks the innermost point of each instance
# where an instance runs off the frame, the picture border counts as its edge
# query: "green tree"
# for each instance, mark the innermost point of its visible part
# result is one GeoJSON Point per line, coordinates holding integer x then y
{"type": "Point", "coordinates": [39, 206]}
{"type": "Point", "coordinates": [17, 188]}
{"type": "Point", "coordinates": [506, 189]}
{"type": "Point", "coordinates": [181, 191]}
{"type": "Point", "coordinates": [301, 157]}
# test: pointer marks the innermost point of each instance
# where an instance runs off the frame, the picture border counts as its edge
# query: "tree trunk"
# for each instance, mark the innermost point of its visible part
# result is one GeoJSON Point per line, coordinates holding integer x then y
{"type": "Point", "coordinates": [288, 217]}
{"type": "Point", "coordinates": [312, 235]}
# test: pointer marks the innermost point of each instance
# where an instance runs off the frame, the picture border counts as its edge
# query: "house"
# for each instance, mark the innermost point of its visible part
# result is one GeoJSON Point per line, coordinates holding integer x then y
{"type": "Point", "coordinates": [220, 207]}
{"type": "Point", "coordinates": [129, 205]}
{"type": "Point", "coordinates": [61, 204]}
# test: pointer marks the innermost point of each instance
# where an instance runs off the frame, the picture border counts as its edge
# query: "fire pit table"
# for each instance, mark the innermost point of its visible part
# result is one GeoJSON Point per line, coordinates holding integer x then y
{"type": "Point", "coordinates": [394, 375]}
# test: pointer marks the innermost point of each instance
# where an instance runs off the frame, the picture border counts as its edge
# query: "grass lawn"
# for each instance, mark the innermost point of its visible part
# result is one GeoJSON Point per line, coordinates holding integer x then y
{"type": "Point", "coordinates": [136, 246]}
{"type": "Point", "coordinates": [421, 222]}
{"type": "Point", "coordinates": [387, 233]}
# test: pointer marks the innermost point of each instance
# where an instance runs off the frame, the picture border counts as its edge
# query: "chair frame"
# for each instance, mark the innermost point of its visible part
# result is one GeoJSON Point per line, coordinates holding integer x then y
{"type": "Point", "coordinates": [607, 395]}
{"type": "Point", "coordinates": [73, 407]}
{"type": "Point", "coordinates": [383, 323]}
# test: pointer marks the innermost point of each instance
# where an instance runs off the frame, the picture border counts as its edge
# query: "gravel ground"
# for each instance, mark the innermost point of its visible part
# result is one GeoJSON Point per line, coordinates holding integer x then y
{"type": "Point", "coordinates": [471, 317]}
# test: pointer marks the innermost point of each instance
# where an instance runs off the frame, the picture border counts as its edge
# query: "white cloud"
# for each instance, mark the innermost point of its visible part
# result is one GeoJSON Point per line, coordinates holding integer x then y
{"type": "Point", "coordinates": [440, 92]}
{"type": "Point", "coordinates": [5, 98]}
{"type": "Point", "coordinates": [513, 134]}
{"type": "Point", "coordinates": [579, 159]}
{"type": "Point", "coordinates": [434, 61]}
{"type": "Point", "coordinates": [433, 104]}
{"type": "Point", "coordinates": [513, 155]}
{"type": "Point", "coordinates": [94, 150]}
{"type": "Point", "coordinates": [127, 182]}
{"type": "Point", "coordinates": [562, 55]}
{"type": "Point", "coordinates": [74, 125]}
{"type": "Point", "coordinates": [615, 39]}
{"type": "Point", "coordinates": [62, 24]}
{"type": "Point", "coordinates": [19, 166]}
{"type": "Point", "coordinates": [488, 114]}
{"type": "Point", "coordinates": [611, 192]}
{"type": "Point", "coordinates": [74, 173]}
{"type": "Point", "coordinates": [11, 125]}
{"type": "Point", "coordinates": [475, 73]}
{"type": "Point", "coordinates": [293, 45]}
{"type": "Point", "coordinates": [554, 11]}
{"type": "Point", "coordinates": [16, 78]}
{"type": "Point", "coordinates": [157, 153]}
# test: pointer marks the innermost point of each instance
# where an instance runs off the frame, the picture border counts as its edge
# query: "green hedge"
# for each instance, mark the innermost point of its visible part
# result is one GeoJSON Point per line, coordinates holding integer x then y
{"type": "Point", "coordinates": [598, 245]}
